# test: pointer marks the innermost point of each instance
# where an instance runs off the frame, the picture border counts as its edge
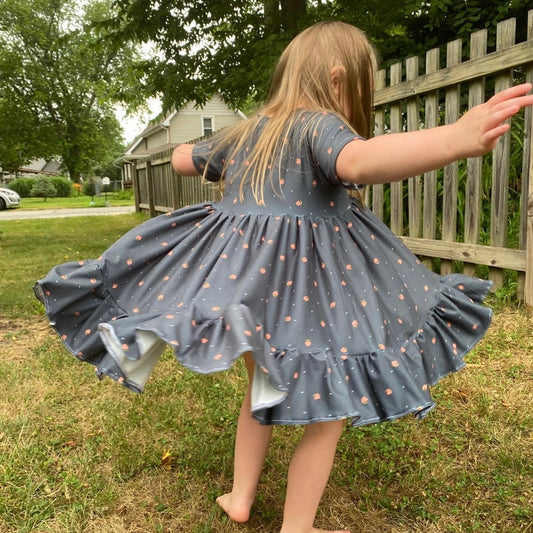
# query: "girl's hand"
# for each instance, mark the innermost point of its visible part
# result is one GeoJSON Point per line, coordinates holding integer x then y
{"type": "Point", "coordinates": [481, 127]}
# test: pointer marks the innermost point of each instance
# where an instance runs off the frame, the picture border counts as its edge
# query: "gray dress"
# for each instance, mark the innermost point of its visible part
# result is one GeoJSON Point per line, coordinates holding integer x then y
{"type": "Point", "coordinates": [342, 319]}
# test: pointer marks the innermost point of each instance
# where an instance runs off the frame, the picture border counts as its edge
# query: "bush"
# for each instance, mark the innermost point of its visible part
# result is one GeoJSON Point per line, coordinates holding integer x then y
{"type": "Point", "coordinates": [63, 186]}
{"type": "Point", "coordinates": [22, 186]}
{"type": "Point", "coordinates": [89, 188]}
{"type": "Point", "coordinates": [123, 195]}
{"type": "Point", "coordinates": [43, 188]}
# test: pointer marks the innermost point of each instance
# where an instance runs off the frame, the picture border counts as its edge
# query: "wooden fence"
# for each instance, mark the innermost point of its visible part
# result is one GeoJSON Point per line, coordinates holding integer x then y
{"type": "Point", "coordinates": [457, 218]}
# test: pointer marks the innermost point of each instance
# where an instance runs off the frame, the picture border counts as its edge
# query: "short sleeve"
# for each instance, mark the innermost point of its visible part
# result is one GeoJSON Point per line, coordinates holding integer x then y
{"type": "Point", "coordinates": [329, 135]}
{"type": "Point", "coordinates": [203, 155]}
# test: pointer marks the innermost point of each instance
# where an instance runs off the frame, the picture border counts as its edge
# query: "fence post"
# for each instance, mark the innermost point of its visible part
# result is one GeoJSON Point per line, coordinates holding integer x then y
{"type": "Point", "coordinates": [525, 292]}
{"type": "Point", "coordinates": [528, 291]}
{"type": "Point", "coordinates": [136, 188]}
{"type": "Point", "coordinates": [150, 189]}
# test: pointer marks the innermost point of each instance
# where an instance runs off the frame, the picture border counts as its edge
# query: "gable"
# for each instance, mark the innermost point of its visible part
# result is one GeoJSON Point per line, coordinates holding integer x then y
{"type": "Point", "coordinates": [185, 125]}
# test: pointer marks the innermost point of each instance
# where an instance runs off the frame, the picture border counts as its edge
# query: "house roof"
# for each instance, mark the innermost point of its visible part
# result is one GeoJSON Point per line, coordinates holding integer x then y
{"type": "Point", "coordinates": [158, 122]}
{"type": "Point", "coordinates": [41, 166]}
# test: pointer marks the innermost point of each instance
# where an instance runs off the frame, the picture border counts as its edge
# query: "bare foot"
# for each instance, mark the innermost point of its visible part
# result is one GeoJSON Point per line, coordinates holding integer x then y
{"type": "Point", "coordinates": [237, 511]}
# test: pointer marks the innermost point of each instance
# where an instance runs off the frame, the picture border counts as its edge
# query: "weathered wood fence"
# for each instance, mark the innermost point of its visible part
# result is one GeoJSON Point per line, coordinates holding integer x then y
{"type": "Point", "coordinates": [456, 218]}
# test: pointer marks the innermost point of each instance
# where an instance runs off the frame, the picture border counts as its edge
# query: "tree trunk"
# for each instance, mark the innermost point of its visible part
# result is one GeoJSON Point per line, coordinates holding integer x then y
{"type": "Point", "coordinates": [291, 12]}
{"type": "Point", "coordinates": [283, 15]}
{"type": "Point", "coordinates": [271, 8]}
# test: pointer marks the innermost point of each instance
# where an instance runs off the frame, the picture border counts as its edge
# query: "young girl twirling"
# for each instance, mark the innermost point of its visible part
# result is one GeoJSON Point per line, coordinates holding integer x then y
{"type": "Point", "coordinates": [336, 319]}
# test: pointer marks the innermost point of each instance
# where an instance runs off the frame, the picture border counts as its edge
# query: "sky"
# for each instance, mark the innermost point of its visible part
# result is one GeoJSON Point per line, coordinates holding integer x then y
{"type": "Point", "coordinates": [133, 125]}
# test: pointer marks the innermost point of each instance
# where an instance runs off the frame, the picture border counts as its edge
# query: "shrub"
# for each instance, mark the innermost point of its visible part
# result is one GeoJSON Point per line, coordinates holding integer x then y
{"type": "Point", "coordinates": [123, 195]}
{"type": "Point", "coordinates": [63, 186]}
{"type": "Point", "coordinates": [89, 188]}
{"type": "Point", "coordinates": [43, 188]}
{"type": "Point", "coordinates": [22, 186]}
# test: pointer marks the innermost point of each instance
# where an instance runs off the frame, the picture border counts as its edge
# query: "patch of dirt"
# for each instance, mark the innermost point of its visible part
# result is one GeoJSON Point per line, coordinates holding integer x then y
{"type": "Point", "coordinates": [18, 337]}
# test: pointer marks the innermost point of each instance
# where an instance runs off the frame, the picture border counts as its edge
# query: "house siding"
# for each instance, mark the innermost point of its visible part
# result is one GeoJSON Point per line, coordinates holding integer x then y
{"type": "Point", "coordinates": [187, 124]}
{"type": "Point", "coordinates": [158, 138]}
{"type": "Point", "coordinates": [184, 126]}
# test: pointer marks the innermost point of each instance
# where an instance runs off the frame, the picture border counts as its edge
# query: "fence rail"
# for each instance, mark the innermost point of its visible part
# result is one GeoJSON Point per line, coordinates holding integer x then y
{"type": "Point", "coordinates": [457, 218]}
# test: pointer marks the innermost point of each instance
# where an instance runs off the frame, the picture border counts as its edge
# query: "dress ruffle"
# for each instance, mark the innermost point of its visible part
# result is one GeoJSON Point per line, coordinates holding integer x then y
{"type": "Point", "coordinates": [342, 320]}
{"type": "Point", "coordinates": [389, 383]}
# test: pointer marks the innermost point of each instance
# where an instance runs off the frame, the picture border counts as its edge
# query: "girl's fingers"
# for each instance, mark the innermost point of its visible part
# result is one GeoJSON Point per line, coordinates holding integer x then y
{"type": "Point", "coordinates": [505, 112]}
{"type": "Point", "coordinates": [511, 92]}
{"type": "Point", "coordinates": [491, 137]}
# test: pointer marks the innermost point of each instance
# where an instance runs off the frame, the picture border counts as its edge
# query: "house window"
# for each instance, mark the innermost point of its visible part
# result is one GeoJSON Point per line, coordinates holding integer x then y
{"type": "Point", "coordinates": [207, 125]}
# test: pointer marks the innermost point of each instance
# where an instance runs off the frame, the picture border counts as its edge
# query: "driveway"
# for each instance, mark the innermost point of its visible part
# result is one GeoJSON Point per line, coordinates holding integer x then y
{"type": "Point", "coordinates": [19, 214]}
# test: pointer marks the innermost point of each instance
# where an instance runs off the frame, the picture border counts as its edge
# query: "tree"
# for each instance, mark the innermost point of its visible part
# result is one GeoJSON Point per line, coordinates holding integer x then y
{"type": "Point", "coordinates": [20, 141]}
{"type": "Point", "coordinates": [59, 78]}
{"type": "Point", "coordinates": [231, 47]}
{"type": "Point", "coordinates": [208, 46]}
{"type": "Point", "coordinates": [43, 188]}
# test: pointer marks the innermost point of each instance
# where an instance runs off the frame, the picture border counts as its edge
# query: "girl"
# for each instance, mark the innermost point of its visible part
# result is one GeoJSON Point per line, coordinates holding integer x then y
{"type": "Point", "coordinates": [335, 318]}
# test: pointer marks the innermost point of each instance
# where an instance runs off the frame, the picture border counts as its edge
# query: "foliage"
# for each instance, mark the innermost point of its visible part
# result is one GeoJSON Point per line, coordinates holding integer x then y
{"type": "Point", "coordinates": [439, 21]}
{"type": "Point", "coordinates": [232, 47]}
{"type": "Point", "coordinates": [21, 137]}
{"type": "Point", "coordinates": [63, 186]}
{"type": "Point", "coordinates": [43, 188]}
{"type": "Point", "coordinates": [89, 188]}
{"type": "Point", "coordinates": [22, 186]}
{"type": "Point", "coordinates": [127, 194]}
{"type": "Point", "coordinates": [58, 81]}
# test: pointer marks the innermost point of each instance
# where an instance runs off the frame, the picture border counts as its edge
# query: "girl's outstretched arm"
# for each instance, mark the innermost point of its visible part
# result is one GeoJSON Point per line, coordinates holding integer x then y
{"type": "Point", "coordinates": [182, 160]}
{"type": "Point", "coordinates": [397, 156]}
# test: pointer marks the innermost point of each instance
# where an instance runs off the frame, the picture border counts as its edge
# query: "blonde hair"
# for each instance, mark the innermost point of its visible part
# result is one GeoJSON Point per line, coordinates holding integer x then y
{"type": "Point", "coordinates": [302, 81]}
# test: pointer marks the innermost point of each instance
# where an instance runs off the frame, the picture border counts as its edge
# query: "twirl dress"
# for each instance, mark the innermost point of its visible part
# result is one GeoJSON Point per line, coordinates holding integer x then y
{"type": "Point", "coordinates": [342, 319]}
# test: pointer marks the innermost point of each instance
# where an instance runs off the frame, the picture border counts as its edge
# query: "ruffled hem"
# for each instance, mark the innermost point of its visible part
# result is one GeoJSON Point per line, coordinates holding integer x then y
{"type": "Point", "coordinates": [389, 383]}
{"type": "Point", "coordinates": [291, 386]}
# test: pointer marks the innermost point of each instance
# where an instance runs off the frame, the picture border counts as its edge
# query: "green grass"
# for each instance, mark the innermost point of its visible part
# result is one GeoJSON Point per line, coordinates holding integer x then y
{"type": "Point", "coordinates": [29, 248]}
{"type": "Point", "coordinates": [115, 200]}
{"type": "Point", "coordinates": [80, 455]}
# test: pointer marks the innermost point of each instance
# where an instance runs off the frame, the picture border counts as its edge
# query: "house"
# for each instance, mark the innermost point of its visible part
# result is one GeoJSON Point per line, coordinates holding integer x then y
{"type": "Point", "coordinates": [37, 167]}
{"type": "Point", "coordinates": [177, 127]}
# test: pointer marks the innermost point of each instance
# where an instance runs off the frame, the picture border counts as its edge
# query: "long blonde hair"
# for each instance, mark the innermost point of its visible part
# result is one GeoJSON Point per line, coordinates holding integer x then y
{"type": "Point", "coordinates": [302, 81]}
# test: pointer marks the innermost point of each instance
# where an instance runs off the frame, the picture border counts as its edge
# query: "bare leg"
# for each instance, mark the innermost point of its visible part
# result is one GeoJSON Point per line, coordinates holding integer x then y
{"type": "Point", "coordinates": [308, 474]}
{"type": "Point", "coordinates": [251, 445]}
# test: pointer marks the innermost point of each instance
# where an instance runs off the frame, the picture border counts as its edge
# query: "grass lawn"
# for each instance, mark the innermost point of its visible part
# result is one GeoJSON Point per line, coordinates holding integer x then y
{"type": "Point", "coordinates": [32, 204]}
{"type": "Point", "coordinates": [80, 455]}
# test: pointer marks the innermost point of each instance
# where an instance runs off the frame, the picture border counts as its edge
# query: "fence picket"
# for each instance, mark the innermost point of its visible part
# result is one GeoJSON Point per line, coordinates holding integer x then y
{"type": "Point", "coordinates": [474, 165]}
{"type": "Point", "coordinates": [429, 208]}
{"type": "Point", "coordinates": [379, 129]}
{"type": "Point", "coordinates": [505, 38]}
{"type": "Point", "coordinates": [451, 172]}
{"type": "Point", "coordinates": [396, 188]}
{"type": "Point", "coordinates": [415, 183]}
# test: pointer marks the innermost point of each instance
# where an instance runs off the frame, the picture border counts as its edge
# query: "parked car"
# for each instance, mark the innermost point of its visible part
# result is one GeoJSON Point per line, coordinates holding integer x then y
{"type": "Point", "coordinates": [8, 198]}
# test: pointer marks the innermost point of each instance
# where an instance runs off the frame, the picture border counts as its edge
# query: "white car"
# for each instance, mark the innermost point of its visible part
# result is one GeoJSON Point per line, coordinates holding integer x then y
{"type": "Point", "coordinates": [8, 198]}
